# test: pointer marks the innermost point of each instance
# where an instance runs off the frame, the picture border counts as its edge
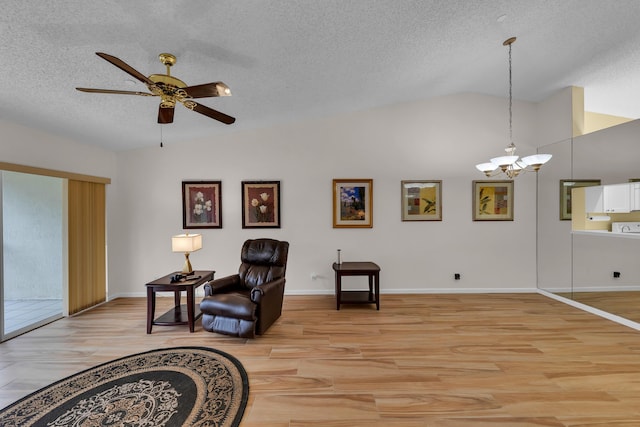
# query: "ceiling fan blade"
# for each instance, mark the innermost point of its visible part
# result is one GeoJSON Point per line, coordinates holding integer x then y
{"type": "Point", "coordinates": [208, 89]}
{"type": "Point", "coordinates": [210, 112]}
{"type": "Point", "coordinates": [119, 92]}
{"type": "Point", "coordinates": [125, 67]}
{"type": "Point", "coordinates": [165, 114]}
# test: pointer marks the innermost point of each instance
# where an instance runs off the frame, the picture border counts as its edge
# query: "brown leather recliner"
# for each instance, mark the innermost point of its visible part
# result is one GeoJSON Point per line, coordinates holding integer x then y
{"type": "Point", "coordinates": [247, 303]}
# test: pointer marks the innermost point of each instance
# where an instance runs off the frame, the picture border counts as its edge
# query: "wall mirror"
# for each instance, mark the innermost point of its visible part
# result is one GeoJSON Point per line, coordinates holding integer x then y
{"type": "Point", "coordinates": [581, 266]}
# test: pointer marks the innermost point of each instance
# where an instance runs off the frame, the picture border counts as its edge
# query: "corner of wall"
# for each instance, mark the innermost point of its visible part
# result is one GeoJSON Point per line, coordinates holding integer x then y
{"type": "Point", "coordinates": [555, 117]}
{"type": "Point", "coordinates": [577, 111]}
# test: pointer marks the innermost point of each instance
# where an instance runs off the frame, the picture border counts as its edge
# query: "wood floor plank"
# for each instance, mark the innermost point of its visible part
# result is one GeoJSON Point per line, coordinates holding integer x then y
{"type": "Point", "coordinates": [516, 360]}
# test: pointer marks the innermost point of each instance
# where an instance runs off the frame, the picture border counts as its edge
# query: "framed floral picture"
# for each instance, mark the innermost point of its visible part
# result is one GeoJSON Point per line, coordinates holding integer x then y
{"type": "Point", "coordinates": [352, 203]}
{"type": "Point", "coordinates": [566, 185]}
{"type": "Point", "coordinates": [421, 200]}
{"type": "Point", "coordinates": [493, 200]}
{"type": "Point", "coordinates": [201, 204]}
{"type": "Point", "coordinates": [260, 204]}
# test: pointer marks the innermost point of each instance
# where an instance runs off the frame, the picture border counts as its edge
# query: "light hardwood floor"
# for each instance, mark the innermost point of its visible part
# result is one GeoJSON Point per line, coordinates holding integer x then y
{"type": "Point", "coordinates": [422, 360]}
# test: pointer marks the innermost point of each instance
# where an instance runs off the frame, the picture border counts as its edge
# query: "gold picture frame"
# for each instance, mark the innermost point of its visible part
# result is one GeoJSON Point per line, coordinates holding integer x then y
{"type": "Point", "coordinates": [352, 203]}
{"type": "Point", "coordinates": [566, 185]}
{"type": "Point", "coordinates": [493, 200]}
{"type": "Point", "coordinates": [421, 200]}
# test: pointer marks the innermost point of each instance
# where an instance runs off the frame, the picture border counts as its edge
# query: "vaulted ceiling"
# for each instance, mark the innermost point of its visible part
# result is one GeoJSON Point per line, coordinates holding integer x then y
{"type": "Point", "coordinates": [292, 60]}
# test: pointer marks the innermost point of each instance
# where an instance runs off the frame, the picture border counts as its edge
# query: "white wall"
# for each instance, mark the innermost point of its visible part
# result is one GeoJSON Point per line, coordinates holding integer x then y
{"type": "Point", "coordinates": [555, 117]}
{"type": "Point", "coordinates": [25, 146]}
{"type": "Point", "coordinates": [435, 139]}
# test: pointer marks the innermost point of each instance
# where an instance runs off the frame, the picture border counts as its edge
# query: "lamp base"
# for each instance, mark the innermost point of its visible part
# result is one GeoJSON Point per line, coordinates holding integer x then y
{"type": "Point", "coordinates": [187, 270]}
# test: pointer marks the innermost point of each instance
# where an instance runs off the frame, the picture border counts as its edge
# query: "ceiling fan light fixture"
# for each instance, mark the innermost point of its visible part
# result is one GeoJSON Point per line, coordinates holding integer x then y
{"type": "Point", "coordinates": [223, 89]}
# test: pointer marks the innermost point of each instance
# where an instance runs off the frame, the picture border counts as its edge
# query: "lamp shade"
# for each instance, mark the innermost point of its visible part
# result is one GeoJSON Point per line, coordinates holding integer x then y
{"type": "Point", "coordinates": [186, 243]}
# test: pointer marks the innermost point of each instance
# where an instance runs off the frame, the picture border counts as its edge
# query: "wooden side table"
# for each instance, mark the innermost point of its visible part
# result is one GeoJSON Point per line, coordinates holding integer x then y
{"type": "Point", "coordinates": [180, 314]}
{"type": "Point", "coordinates": [370, 269]}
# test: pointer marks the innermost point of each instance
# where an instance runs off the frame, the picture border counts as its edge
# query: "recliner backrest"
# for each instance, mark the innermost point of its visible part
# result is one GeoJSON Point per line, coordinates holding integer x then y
{"type": "Point", "coordinates": [263, 260]}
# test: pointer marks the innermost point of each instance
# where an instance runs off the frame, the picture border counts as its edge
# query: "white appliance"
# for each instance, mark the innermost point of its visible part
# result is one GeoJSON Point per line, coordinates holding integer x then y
{"type": "Point", "coordinates": [625, 227]}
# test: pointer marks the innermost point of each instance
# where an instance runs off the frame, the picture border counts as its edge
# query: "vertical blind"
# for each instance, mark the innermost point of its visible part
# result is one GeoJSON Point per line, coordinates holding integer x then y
{"type": "Point", "coordinates": [87, 245]}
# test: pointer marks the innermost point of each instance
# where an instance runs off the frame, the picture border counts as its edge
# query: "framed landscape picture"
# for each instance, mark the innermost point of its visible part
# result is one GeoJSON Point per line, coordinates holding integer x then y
{"type": "Point", "coordinates": [421, 200]}
{"type": "Point", "coordinates": [566, 185]}
{"type": "Point", "coordinates": [260, 204]}
{"type": "Point", "coordinates": [493, 200]}
{"type": "Point", "coordinates": [201, 202]}
{"type": "Point", "coordinates": [352, 203]}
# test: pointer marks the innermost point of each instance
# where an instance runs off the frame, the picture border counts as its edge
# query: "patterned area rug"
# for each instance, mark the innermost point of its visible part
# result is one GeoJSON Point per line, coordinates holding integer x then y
{"type": "Point", "coordinates": [182, 386]}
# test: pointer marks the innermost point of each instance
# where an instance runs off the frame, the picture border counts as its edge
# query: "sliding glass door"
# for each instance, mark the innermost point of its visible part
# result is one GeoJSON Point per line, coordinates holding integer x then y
{"type": "Point", "coordinates": [33, 262]}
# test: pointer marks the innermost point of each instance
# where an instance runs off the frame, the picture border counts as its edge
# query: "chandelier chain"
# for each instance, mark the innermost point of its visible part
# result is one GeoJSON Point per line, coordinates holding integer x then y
{"type": "Point", "coordinates": [510, 100]}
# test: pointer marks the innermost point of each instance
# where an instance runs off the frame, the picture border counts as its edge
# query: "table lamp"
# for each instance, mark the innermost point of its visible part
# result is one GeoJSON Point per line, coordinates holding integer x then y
{"type": "Point", "coordinates": [186, 243]}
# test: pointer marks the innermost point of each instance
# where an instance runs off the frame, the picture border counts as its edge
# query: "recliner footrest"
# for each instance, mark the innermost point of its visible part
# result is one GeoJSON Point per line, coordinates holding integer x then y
{"type": "Point", "coordinates": [229, 305]}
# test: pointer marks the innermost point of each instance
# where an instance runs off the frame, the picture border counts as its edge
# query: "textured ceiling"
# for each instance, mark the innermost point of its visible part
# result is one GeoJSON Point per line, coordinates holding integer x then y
{"type": "Point", "coordinates": [299, 59]}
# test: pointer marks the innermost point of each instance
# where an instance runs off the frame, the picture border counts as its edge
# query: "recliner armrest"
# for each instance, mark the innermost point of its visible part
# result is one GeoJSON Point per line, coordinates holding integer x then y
{"type": "Point", "coordinates": [221, 285]}
{"type": "Point", "coordinates": [263, 291]}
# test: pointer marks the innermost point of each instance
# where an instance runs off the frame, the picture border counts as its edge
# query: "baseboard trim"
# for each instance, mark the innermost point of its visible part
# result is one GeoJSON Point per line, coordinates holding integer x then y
{"type": "Point", "coordinates": [592, 310]}
{"type": "Point", "coordinates": [424, 291]}
{"type": "Point", "coordinates": [382, 292]}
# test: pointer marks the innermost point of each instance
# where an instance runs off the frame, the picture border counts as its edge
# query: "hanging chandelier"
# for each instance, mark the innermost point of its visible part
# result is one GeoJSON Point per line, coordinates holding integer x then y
{"type": "Point", "coordinates": [512, 165]}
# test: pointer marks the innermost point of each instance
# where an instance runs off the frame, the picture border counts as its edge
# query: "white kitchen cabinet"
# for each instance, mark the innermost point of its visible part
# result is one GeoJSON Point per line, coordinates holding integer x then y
{"type": "Point", "coordinates": [617, 198]}
{"type": "Point", "coordinates": [593, 199]}
{"type": "Point", "coordinates": [635, 196]}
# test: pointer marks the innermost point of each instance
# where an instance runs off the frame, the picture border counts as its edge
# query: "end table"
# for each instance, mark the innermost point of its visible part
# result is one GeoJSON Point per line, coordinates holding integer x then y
{"type": "Point", "coordinates": [180, 314]}
{"type": "Point", "coordinates": [370, 269]}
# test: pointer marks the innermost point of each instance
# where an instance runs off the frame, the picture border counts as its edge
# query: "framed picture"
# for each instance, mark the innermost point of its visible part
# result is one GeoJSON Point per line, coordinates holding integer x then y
{"type": "Point", "coordinates": [421, 200]}
{"type": "Point", "coordinates": [201, 204]}
{"type": "Point", "coordinates": [566, 185]}
{"type": "Point", "coordinates": [260, 204]}
{"type": "Point", "coordinates": [352, 203]}
{"type": "Point", "coordinates": [493, 200]}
